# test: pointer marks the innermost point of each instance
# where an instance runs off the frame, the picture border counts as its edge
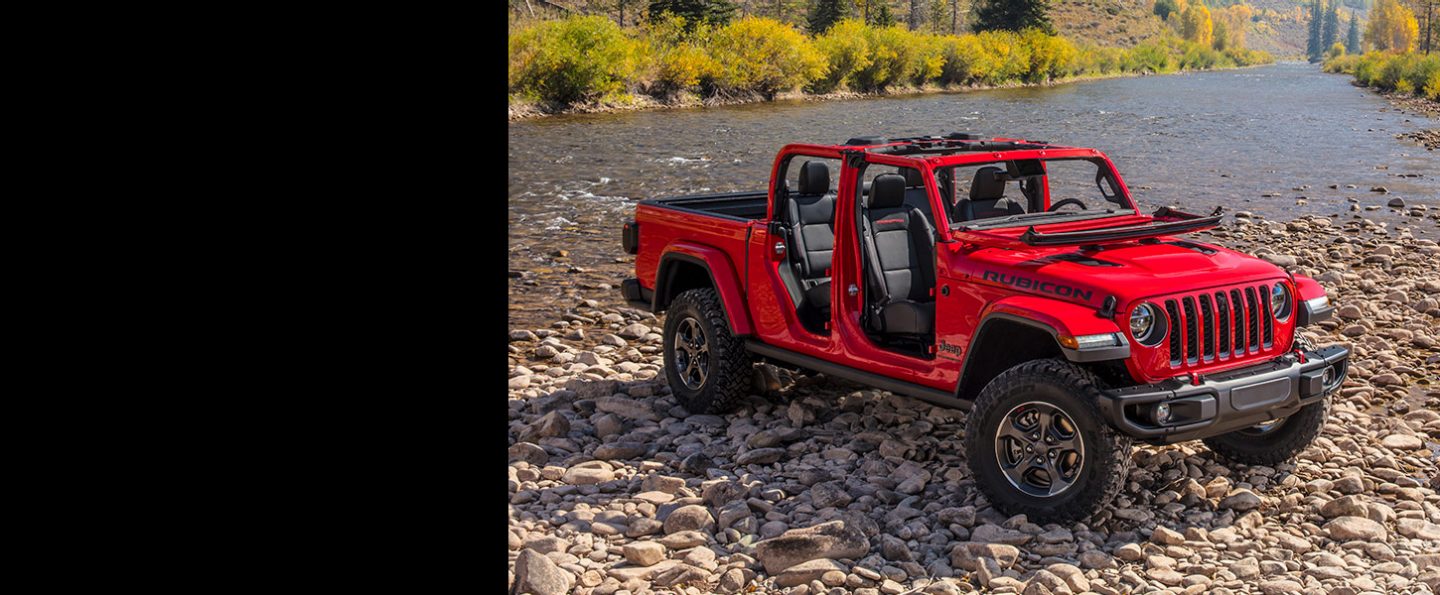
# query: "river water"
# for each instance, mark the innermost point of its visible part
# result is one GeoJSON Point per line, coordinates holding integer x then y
{"type": "Point", "coordinates": [1254, 139]}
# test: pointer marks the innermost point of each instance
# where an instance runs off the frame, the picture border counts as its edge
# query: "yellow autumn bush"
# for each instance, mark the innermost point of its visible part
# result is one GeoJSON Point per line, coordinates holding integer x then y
{"type": "Point", "coordinates": [678, 59]}
{"type": "Point", "coordinates": [762, 55]}
{"type": "Point", "coordinates": [584, 58]}
{"type": "Point", "coordinates": [1409, 72]}
{"type": "Point", "coordinates": [572, 59]}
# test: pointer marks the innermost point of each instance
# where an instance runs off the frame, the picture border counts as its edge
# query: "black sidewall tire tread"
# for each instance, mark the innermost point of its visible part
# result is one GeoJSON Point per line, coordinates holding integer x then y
{"type": "Point", "coordinates": [1277, 447]}
{"type": "Point", "coordinates": [1074, 390]}
{"type": "Point", "coordinates": [731, 367]}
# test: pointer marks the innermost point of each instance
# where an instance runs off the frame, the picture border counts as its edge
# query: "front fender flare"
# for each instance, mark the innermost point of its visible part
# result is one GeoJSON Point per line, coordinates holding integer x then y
{"type": "Point", "coordinates": [1307, 289]}
{"type": "Point", "coordinates": [722, 277]}
{"type": "Point", "coordinates": [1059, 319]}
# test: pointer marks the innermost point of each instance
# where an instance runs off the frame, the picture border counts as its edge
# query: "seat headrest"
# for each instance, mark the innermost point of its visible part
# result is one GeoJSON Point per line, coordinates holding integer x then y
{"type": "Point", "coordinates": [912, 177]}
{"type": "Point", "coordinates": [886, 192]}
{"type": "Point", "coordinates": [814, 178]}
{"type": "Point", "coordinates": [989, 184]}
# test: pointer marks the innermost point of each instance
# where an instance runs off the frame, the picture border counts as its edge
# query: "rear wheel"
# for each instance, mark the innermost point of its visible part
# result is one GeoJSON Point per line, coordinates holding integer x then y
{"type": "Point", "coordinates": [1038, 446]}
{"type": "Point", "coordinates": [707, 367]}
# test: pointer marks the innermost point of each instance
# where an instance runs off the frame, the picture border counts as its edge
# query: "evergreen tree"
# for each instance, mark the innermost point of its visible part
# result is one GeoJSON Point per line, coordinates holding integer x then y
{"type": "Point", "coordinates": [1163, 8]}
{"type": "Point", "coordinates": [1013, 15]}
{"type": "Point", "coordinates": [825, 13]}
{"type": "Point", "coordinates": [1330, 29]}
{"type": "Point", "coordinates": [694, 11]}
{"type": "Point", "coordinates": [1312, 45]}
{"type": "Point", "coordinates": [1352, 37]}
{"type": "Point", "coordinates": [876, 13]}
{"type": "Point", "coordinates": [938, 16]}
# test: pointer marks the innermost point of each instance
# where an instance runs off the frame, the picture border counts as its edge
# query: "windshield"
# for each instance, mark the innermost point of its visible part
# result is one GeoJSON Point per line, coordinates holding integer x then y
{"type": "Point", "coordinates": [1029, 191]}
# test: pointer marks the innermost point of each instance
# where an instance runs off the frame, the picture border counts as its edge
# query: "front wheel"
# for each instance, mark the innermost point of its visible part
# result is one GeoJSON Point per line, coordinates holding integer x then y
{"type": "Point", "coordinates": [1038, 446]}
{"type": "Point", "coordinates": [708, 367]}
{"type": "Point", "coordinates": [1274, 441]}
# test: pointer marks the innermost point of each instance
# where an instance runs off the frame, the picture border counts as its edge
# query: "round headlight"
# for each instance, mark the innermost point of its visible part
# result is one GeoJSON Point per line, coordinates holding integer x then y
{"type": "Point", "coordinates": [1280, 302]}
{"type": "Point", "coordinates": [1146, 325]}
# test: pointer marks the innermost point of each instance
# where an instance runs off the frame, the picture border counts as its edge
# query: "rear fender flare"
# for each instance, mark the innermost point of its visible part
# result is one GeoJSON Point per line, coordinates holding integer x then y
{"type": "Point", "coordinates": [722, 277]}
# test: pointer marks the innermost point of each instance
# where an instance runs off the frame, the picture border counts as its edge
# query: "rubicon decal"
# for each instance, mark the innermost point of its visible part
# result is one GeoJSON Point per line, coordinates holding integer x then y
{"type": "Point", "coordinates": [1040, 286]}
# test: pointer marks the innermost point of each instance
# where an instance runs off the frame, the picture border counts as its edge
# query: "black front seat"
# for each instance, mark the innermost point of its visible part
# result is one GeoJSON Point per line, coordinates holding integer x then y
{"type": "Point", "coordinates": [900, 260]}
{"type": "Point", "coordinates": [811, 216]}
{"type": "Point", "coordinates": [987, 197]}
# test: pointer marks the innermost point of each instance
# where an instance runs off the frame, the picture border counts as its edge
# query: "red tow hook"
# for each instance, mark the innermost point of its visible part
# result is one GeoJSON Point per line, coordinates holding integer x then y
{"type": "Point", "coordinates": [1195, 378]}
{"type": "Point", "coordinates": [1301, 355]}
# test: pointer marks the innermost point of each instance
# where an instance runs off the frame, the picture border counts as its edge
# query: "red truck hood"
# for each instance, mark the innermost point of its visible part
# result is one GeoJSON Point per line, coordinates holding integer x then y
{"type": "Point", "coordinates": [1128, 270]}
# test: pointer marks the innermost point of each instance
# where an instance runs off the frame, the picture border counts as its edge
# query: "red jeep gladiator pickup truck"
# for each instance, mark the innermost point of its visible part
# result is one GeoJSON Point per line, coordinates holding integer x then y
{"type": "Point", "coordinates": [1015, 279]}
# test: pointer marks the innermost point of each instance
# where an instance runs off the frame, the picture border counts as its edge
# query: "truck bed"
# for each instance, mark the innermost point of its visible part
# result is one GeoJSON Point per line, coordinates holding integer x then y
{"type": "Point", "coordinates": [744, 206]}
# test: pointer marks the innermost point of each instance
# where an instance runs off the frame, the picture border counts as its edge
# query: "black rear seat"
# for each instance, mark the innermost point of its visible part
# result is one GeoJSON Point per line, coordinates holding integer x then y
{"type": "Point", "coordinates": [987, 197]}
{"type": "Point", "coordinates": [810, 214]}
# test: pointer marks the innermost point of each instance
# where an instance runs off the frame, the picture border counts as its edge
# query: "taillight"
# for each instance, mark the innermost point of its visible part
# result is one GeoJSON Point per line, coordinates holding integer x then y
{"type": "Point", "coordinates": [630, 237]}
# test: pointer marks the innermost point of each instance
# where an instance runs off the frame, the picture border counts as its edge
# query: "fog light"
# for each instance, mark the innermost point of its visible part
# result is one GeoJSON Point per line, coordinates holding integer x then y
{"type": "Point", "coordinates": [1328, 376]}
{"type": "Point", "coordinates": [1160, 414]}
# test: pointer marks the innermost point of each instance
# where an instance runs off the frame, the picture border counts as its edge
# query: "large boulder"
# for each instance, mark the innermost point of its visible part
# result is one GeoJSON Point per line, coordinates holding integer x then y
{"type": "Point", "coordinates": [534, 573]}
{"type": "Point", "coordinates": [805, 572]}
{"type": "Point", "coordinates": [1352, 528]}
{"type": "Point", "coordinates": [832, 540]}
{"type": "Point", "coordinates": [967, 555]}
{"type": "Point", "coordinates": [692, 517]}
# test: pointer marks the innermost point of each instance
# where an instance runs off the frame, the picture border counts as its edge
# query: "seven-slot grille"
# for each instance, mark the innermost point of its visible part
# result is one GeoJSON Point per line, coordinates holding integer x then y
{"type": "Point", "coordinates": [1219, 325]}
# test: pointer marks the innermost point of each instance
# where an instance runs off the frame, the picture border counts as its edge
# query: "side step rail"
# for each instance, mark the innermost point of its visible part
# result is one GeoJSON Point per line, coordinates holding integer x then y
{"type": "Point", "coordinates": [933, 396]}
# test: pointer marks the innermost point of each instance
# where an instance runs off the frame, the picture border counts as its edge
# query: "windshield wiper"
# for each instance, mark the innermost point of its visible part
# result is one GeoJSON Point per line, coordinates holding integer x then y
{"type": "Point", "coordinates": [1068, 216]}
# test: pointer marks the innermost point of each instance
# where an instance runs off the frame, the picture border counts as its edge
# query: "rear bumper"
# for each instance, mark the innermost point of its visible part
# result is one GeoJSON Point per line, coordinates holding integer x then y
{"type": "Point", "coordinates": [1227, 401]}
{"type": "Point", "coordinates": [636, 294]}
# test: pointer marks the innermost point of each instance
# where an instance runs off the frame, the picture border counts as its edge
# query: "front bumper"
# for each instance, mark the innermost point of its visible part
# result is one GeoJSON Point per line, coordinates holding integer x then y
{"type": "Point", "coordinates": [1227, 401]}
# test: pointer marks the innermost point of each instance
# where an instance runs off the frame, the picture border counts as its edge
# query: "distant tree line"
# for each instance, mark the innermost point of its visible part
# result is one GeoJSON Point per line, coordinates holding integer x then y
{"type": "Point", "coordinates": [1222, 28]}
{"type": "Point", "coordinates": [815, 16]}
{"type": "Point", "coordinates": [1394, 25]}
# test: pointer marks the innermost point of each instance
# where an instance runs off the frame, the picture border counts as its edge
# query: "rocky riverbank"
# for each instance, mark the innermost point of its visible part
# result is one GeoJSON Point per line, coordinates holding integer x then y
{"type": "Point", "coordinates": [1420, 106]}
{"type": "Point", "coordinates": [821, 486]}
{"type": "Point", "coordinates": [520, 110]}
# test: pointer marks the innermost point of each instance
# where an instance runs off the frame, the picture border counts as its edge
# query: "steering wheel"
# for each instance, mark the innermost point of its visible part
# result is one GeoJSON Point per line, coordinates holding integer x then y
{"type": "Point", "coordinates": [1067, 201]}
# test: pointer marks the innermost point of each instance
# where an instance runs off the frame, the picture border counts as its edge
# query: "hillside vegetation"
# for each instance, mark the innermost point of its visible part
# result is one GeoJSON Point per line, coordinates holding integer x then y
{"type": "Point", "coordinates": [594, 62]}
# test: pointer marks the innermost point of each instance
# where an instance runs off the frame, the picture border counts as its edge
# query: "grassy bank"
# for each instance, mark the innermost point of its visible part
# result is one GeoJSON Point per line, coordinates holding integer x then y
{"type": "Point", "coordinates": [582, 62]}
{"type": "Point", "coordinates": [1404, 73]}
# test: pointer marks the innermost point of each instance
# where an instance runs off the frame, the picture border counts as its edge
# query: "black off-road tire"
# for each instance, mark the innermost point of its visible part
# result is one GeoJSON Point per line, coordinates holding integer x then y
{"type": "Point", "coordinates": [1072, 390]}
{"type": "Point", "coordinates": [1276, 446]}
{"type": "Point", "coordinates": [730, 372]}
{"type": "Point", "coordinates": [1281, 443]}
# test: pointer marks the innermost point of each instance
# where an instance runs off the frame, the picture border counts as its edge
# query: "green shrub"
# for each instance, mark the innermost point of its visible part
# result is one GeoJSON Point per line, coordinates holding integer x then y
{"type": "Point", "coordinates": [927, 60]}
{"type": "Point", "coordinates": [962, 56]}
{"type": "Point", "coordinates": [890, 59]}
{"type": "Point", "coordinates": [1005, 57]}
{"type": "Point", "coordinates": [678, 58]}
{"type": "Point", "coordinates": [1051, 57]}
{"type": "Point", "coordinates": [572, 59]}
{"type": "Point", "coordinates": [846, 49]}
{"type": "Point", "coordinates": [763, 56]}
{"type": "Point", "coordinates": [1200, 57]}
{"type": "Point", "coordinates": [1432, 87]}
{"type": "Point", "coordinates": [1149, 57]}
{"type": "Point", "coordinates": [1409, 73]}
